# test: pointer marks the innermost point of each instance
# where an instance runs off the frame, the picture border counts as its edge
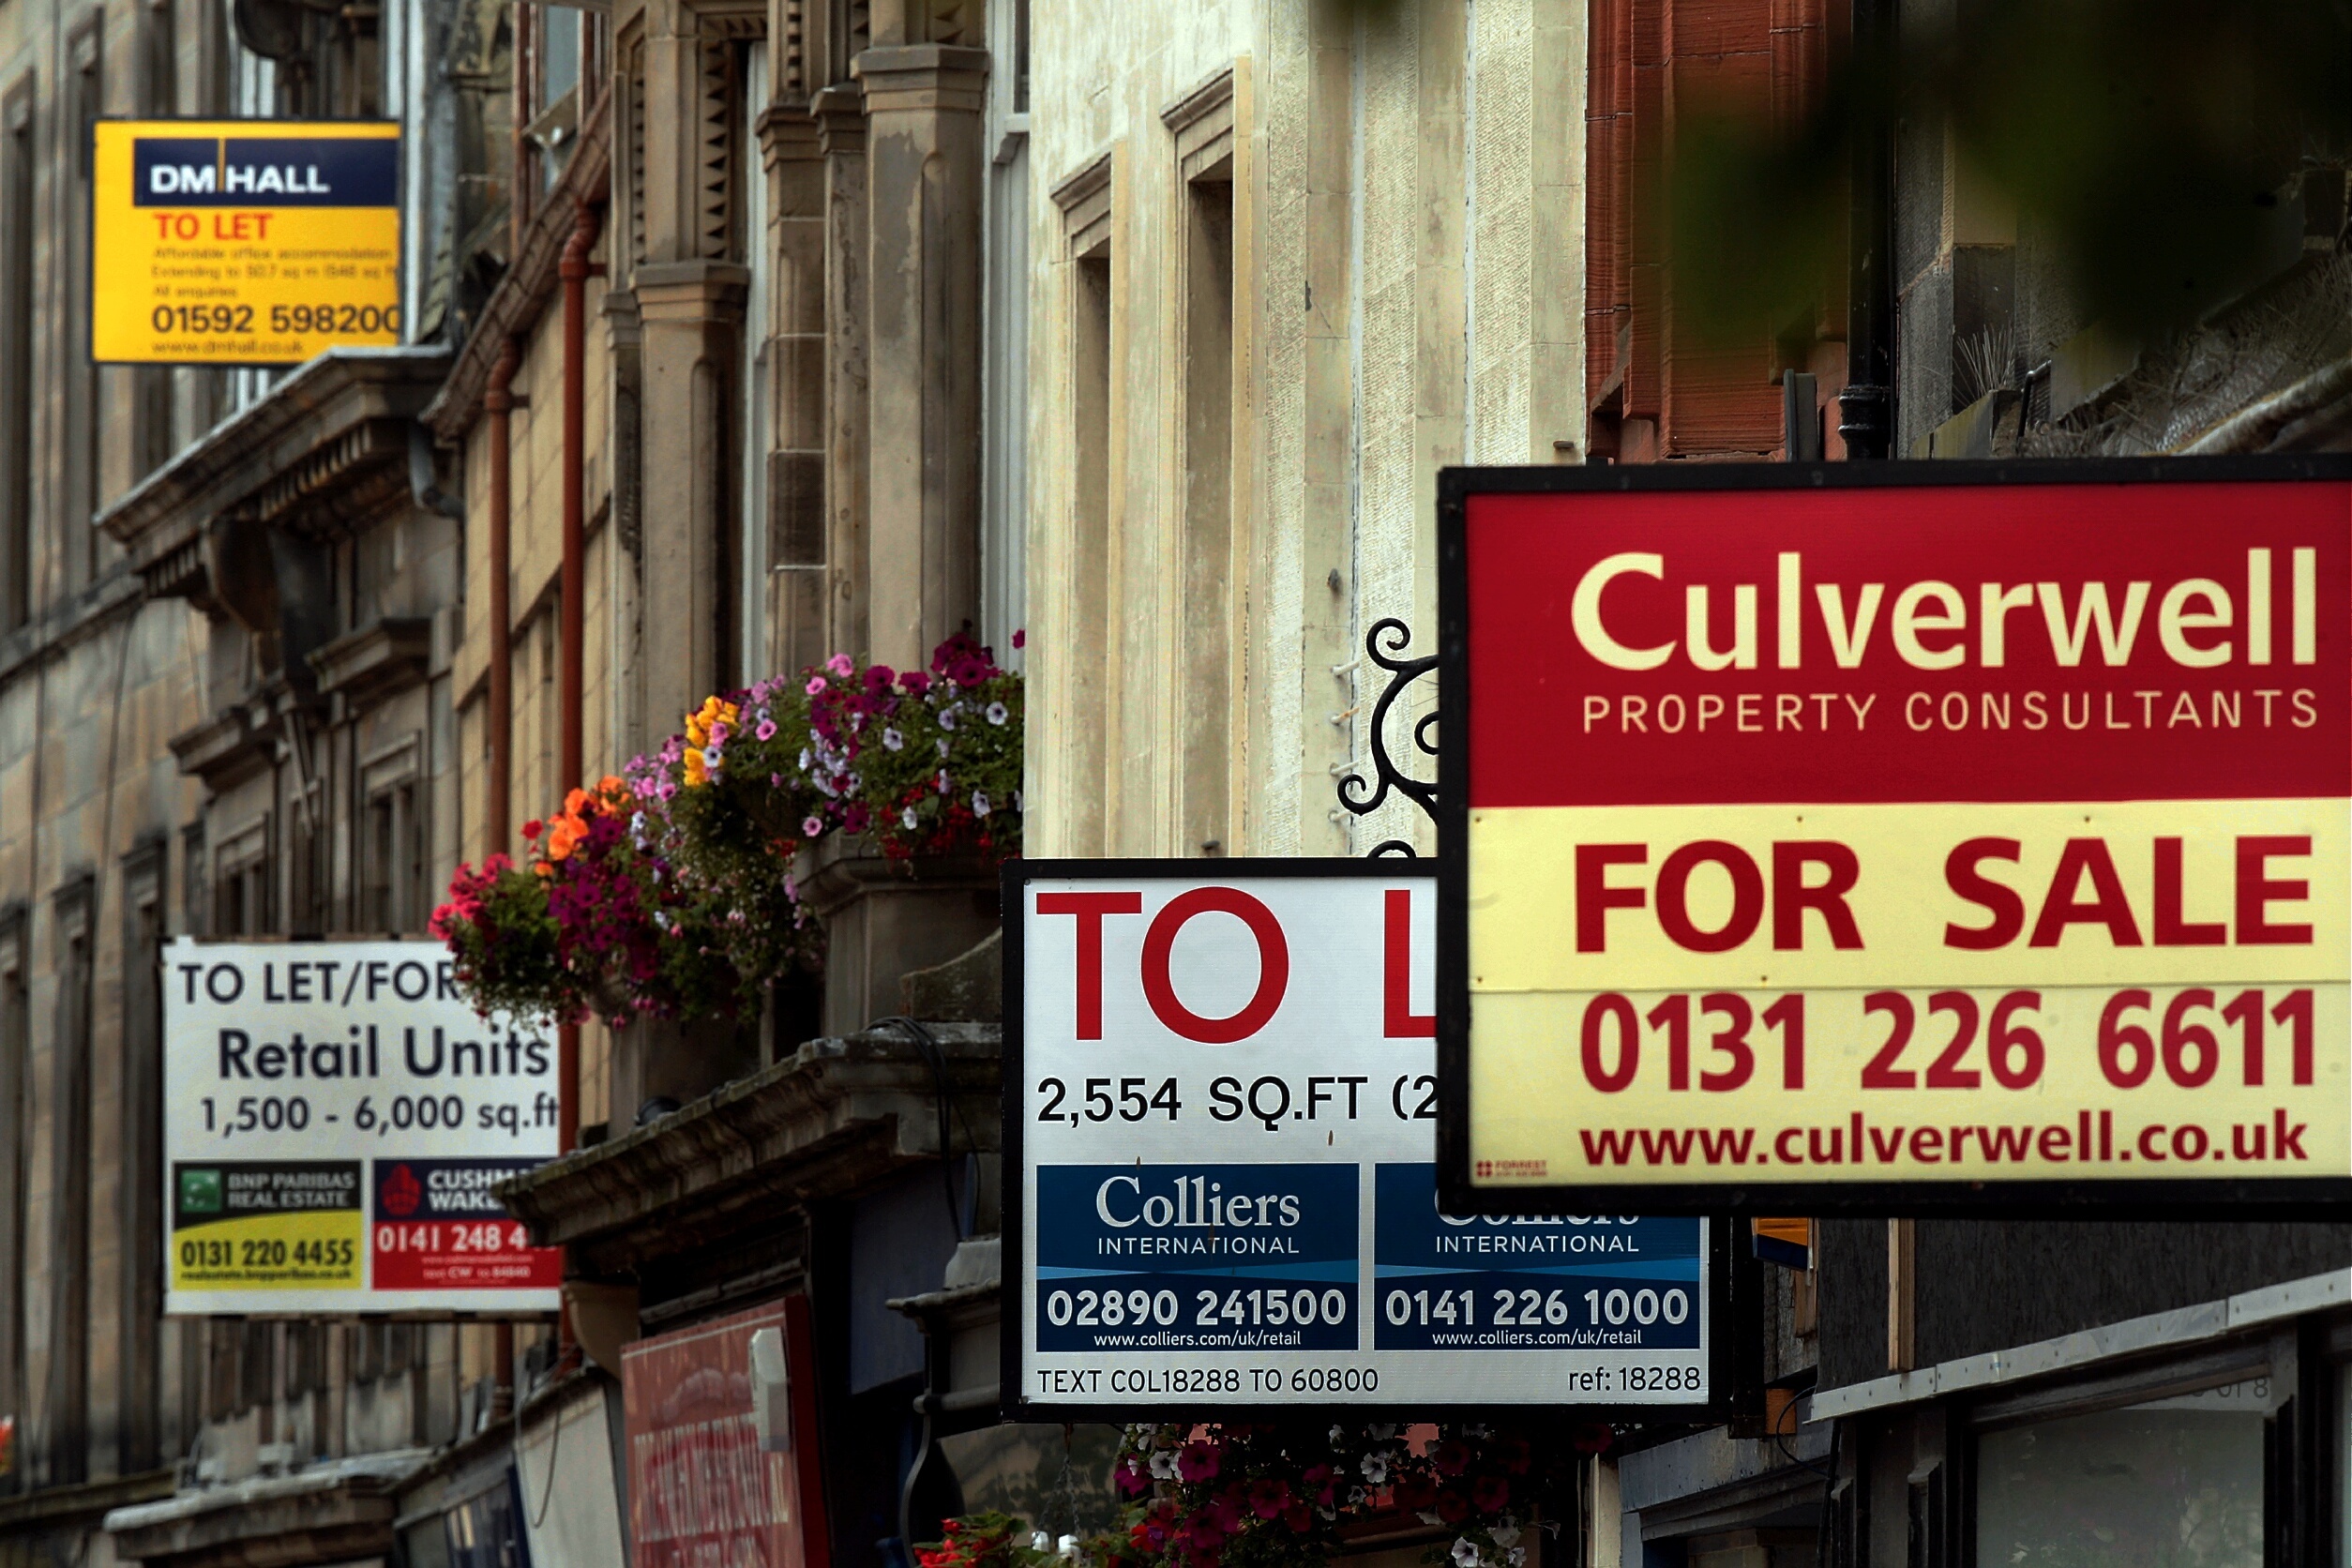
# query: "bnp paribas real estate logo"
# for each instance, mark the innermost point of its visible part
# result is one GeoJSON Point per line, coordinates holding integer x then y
{"type": "Point", "coordinates": [200, 1191]}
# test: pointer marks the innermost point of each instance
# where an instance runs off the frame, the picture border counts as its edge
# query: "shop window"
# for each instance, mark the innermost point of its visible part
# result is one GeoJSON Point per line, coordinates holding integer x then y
{"type": "Point", "coordinates": [2174, 1483]}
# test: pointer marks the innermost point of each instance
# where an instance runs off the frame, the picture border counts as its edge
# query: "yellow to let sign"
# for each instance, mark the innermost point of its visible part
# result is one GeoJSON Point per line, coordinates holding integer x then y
{"type": "Point", "coordinates": [244, 242]}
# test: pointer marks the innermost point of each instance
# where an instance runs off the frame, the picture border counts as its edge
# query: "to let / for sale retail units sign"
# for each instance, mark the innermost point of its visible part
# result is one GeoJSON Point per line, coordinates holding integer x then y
{"type": "Point", "coordinates": [243, 242]}
{"type": "Point", "coordinates": [335, 1118]}
{"type": "Point", "coordinates": [1897, 838]}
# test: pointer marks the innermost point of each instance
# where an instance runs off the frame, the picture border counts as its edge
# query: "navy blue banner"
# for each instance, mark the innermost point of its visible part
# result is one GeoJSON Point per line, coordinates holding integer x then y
{"type": "Point", "coordinates": [1598, 1284]}
{"type": "Point", "coordinates": [266, 171]}
{"type": "Point", "coordinates": [1196, 1257]}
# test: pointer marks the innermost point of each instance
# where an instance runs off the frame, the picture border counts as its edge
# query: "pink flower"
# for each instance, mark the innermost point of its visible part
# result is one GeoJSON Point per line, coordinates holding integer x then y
{"type": "Point", "coordinates": [767, 731]}
{"type": "Point", "coordinates": [811, 826]}
{"type": "Point", "coordinates": [840, 664]}
{"type": "Point", "coordinates": [1197, 1461]}
{"type": "Point", "coordinates": [1269, 1497]}
{"type": "Point", "coordinates": [816, 686]}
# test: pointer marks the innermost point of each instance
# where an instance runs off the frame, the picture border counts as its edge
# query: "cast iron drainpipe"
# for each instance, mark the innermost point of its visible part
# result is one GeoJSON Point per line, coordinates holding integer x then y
{"type": "Point", "coordinates": [498, 402]}
{"type": "Point", "coordinates": [575, 269]}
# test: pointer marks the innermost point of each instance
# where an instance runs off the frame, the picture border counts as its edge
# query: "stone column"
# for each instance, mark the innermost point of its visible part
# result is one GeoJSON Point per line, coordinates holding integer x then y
{"type": "Point", "coordinates": [690, 303]}
{"type": "Point", "coordinates": [798, 590]}
{"type": "Point", "coordinates": [925, 164]}
{"type": "Point", "coordinates": [690, 313]}
{"type": "Point", "coordinates": [840, 115]}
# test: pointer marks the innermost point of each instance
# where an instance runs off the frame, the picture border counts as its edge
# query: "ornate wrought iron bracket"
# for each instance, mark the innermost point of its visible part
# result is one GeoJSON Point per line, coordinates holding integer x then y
{"type": "Point", "coordinates": [1362, 799]}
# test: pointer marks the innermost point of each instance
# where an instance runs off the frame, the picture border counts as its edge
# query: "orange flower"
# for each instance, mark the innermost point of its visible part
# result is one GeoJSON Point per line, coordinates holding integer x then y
{"type": "Point", "coordinates": [696, 773]}
{"type": "Point", "coordinates": [566, 833]}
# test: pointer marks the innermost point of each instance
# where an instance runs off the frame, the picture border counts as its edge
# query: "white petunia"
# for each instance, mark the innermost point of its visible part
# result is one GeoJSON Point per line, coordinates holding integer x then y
{"type": "Point", "coordinates": [998, 713]}
{"type": "Point", "coordinates": [906, 819]}
{"type": "Point", "coordinates": [980, 806]}
{"type": "Point", "coordinates": [892, 740]}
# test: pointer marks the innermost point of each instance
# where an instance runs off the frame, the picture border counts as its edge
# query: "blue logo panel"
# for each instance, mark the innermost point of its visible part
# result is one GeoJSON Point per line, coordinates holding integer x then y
{"type": "Point", "coordinates": [1197, 1257]}
{"type": "Point", "coordinates": [1490, 1284]}
{"type": "Point", "coordinates": [266, 171]}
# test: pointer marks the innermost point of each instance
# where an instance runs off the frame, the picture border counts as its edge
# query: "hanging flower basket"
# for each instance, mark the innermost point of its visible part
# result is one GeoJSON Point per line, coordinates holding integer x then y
{"type": "Point", "coordinates": [671, 890]}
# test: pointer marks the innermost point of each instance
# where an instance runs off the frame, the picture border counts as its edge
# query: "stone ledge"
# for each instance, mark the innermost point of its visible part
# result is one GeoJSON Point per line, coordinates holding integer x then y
{"type": "Point", "coordinates": [836, 1115]}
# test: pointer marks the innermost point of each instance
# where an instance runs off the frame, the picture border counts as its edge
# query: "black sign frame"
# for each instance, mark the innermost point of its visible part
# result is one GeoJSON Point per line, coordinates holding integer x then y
{"type": "Point", "coordinates": [2284, 1197]}
{"type": "Point", "coordinates": [1735, 1273]}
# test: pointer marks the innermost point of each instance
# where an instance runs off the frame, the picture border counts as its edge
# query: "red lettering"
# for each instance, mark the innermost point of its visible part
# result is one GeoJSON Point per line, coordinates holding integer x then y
{"type": "Point", "coordinates": [1398, 1022]}
{"type": "Point", "coordinates": [2007, 908]}
{"type": "Point", "coordinates": [1274, 965]}
{"type": "Point", "coordinates": [2108, 907]}
{"type": "Point", "coordinates": [2171, 930]}
{"type": "Point", "coordinates": [1595, 898]}
{"type": "Point", "coordinates": [1089, 907]}
{"type": "Point", "coordinates": [2257, 891]}
{"type": "Point", "coordinates": [1747, 895]}
{"type": "Point", "coordinates": [1791, 897]}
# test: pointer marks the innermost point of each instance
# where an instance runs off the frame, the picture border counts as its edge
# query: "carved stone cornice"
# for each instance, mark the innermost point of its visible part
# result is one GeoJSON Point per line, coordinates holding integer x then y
{"type": "Point", "coordinates": [935, 76]}
{"type": "Point", "coordinates": [835, 1117]}
{"type": "Point", "coordinates": [839, 112]}
{"type": "Point", "coordinates": [329, 425]}
{"type": "Point", "coordinates": [690, 291]}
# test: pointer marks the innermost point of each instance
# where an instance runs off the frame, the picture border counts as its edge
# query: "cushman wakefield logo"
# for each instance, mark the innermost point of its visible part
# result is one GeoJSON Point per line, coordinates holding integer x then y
{"type": "Point", "coordinates": [265, 171]}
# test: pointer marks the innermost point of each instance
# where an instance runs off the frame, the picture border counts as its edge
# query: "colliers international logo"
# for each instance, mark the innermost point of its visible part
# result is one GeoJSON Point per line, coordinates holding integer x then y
{"type": "Point", "coordinates": [266, 171]}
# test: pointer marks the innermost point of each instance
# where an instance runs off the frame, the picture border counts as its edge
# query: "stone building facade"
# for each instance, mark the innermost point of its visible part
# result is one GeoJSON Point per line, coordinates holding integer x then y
{"type": "Point", "coordinates": [729, 288]}
{"type": "Point", "coordinates": [1288, 260]}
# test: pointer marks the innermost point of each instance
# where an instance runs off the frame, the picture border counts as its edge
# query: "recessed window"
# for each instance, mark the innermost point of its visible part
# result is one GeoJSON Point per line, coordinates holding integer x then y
{"type": "Point", "coordinates": [2172, 1484]}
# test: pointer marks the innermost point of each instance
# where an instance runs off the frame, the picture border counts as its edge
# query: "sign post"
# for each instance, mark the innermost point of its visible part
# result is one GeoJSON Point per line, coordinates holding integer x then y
{"type": "Point", "coordinates": [1221, 1115]}
{"type": "Point", "coordinates": [334, 1119]}
{"type": "Point", "coordinates": [243, 242]}
{"type": "Point", "coordinates": [1897, 838]}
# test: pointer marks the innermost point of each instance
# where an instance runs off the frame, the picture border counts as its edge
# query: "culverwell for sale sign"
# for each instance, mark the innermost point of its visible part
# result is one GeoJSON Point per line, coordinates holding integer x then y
{"type": "Point", "coordinates": [1851, 839]}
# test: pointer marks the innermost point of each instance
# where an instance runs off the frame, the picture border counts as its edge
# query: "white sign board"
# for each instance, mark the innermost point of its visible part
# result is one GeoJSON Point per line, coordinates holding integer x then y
{"type": "Point", "coordinates": [334, 1119]}
{"type": "Point", "coordinates": [1221, 1104]}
